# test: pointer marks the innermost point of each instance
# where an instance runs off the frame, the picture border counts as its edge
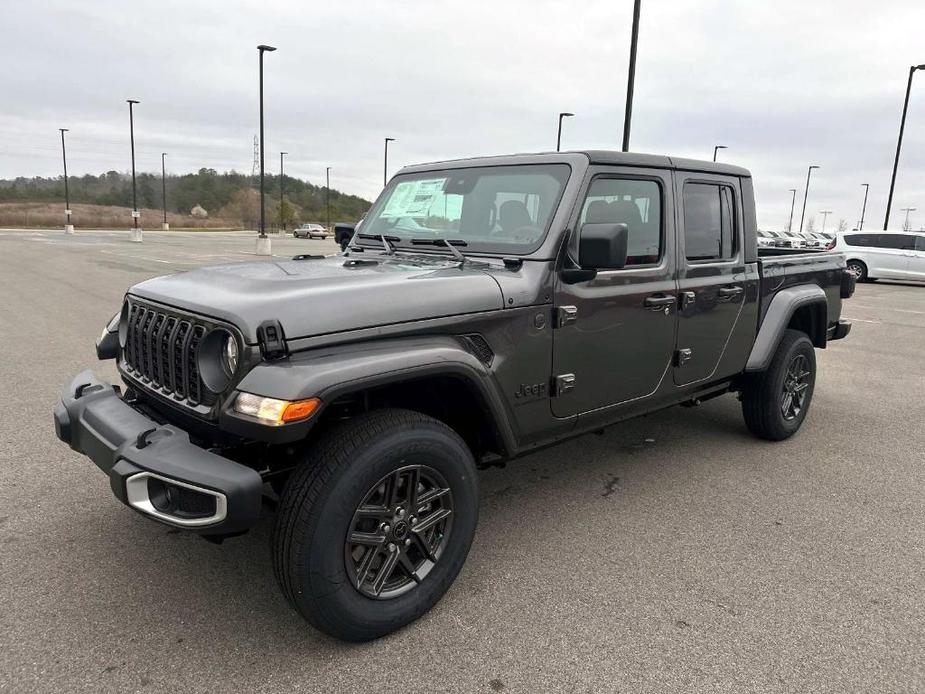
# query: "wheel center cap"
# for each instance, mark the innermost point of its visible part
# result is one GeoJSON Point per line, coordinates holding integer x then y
{"type": "Point", "coordinates": [400, 530]}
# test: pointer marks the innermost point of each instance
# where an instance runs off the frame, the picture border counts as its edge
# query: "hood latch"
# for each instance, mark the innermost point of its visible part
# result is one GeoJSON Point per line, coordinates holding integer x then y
{"type": "Point", "coordinates": [272, 341]}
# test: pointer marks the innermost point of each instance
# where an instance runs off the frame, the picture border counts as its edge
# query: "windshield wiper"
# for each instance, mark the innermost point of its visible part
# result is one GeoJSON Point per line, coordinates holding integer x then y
{"type": "Point", "coordinates": [448, 243]}
{"type": "Point", "coordinates": [386, 240]}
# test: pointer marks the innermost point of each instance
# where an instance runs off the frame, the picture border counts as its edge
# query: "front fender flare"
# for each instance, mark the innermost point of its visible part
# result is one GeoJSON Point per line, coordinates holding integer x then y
{"type": "Point", "coordinates": [333, 372]}
{"type": "Point", "coordinates": [784, 304]}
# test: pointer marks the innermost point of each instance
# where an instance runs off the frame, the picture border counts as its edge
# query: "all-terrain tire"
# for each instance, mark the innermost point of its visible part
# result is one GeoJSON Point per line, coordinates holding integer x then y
{"type": "Point", "coordinates": [764, 397]}
{"type": "Point", "coordinates": [316, 513]}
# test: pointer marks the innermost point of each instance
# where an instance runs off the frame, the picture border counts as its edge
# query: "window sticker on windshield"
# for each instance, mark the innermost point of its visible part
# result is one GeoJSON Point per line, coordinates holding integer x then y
{"type": "Point", "coordinates": [413, 198]}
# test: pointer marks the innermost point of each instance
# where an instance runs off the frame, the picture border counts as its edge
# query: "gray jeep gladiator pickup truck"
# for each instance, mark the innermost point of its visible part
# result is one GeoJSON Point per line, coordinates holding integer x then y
{"type": "Point", "coordinates": [486, 308]}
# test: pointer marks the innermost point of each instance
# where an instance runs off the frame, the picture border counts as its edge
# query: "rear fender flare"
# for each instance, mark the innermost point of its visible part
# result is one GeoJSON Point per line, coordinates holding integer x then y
{"type": "Point", "coordinates": [784, 304]}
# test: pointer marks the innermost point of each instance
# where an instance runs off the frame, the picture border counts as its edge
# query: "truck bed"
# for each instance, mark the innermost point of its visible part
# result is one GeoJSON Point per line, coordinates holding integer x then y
{"type": "Point", "coordinates": [780, 268]}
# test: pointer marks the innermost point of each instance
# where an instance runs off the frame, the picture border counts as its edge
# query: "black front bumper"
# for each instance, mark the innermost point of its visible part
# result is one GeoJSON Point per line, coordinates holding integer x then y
{"type": "Point", "coordinates": [145, 461]}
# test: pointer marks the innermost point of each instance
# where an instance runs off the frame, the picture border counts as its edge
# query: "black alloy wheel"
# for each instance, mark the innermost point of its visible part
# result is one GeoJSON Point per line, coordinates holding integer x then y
{"type": "Point", "coordinates": [796, 383]}
{"type": "Point", "coordinates": [399, 532]}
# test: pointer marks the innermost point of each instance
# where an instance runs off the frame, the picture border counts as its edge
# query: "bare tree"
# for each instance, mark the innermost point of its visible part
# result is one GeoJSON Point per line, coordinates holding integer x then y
{"type": "Point", "coordinates": [843, 224]}
{"type": "Point", "coordinates": [811, 224]}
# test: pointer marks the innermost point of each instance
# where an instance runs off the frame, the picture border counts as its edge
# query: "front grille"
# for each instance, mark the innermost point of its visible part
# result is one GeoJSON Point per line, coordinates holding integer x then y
{"type": "Point", "coordinates": [160, 351]}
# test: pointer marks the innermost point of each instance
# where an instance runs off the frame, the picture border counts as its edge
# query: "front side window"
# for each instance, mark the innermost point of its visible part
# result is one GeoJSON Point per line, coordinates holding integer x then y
{"type": "Point", "coordinates": [634, 202]}
{"type": "Point", "coordinates": [920, 243]}
{"type": "Point", "coordinates": [506, 209]}
{"type": "Point", "coordinates": [709, 222]}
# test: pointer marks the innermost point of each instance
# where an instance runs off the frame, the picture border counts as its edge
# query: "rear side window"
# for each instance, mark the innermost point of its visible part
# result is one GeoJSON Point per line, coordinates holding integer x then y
{"type": "Point", "coordinates": [920, 243]}
{"type": "Point", "coordinates": [634, 202]}
{"type": "Point", "coordinates": [709, 222]}
{"type": "Point", "coordinates": [892, 241]}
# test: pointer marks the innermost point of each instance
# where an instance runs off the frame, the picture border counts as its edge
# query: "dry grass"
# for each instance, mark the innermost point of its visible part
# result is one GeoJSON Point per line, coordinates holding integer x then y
{"type": "Point", "coordinates": [43, 215]}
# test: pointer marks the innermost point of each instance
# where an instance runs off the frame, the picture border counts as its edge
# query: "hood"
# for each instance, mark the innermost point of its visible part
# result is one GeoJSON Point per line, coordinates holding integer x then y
{"type": "Point", "coordinates": [327, 295]}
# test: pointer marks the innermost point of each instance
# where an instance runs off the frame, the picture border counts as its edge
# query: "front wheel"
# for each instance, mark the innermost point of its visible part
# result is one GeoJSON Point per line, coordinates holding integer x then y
{"type": "Point", "coordinates": [775, 401]}
{"type": "Point", "coordinates": [374, 527]}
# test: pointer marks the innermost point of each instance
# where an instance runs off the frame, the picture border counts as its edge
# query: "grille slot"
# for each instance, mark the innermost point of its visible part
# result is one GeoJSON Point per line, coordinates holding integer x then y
{"type": "Point", "coordinates": [161, 352]}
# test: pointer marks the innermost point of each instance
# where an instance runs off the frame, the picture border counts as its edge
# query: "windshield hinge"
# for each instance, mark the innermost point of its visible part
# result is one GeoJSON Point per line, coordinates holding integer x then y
{"type": "Point", "coordinates": [272, 341]}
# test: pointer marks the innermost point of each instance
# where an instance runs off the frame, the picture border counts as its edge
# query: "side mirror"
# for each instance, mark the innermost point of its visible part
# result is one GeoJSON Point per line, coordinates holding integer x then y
{"type": "Point", "coordinates": [602, 246]}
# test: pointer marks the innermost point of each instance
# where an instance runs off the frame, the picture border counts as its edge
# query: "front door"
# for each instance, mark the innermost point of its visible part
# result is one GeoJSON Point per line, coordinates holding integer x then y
{"type": "Point", "coordinates": [917, 259]}
{"type": "Point", "coordinates": [615, 333]}
{"type": "Point", "coordinates": [711, 272]}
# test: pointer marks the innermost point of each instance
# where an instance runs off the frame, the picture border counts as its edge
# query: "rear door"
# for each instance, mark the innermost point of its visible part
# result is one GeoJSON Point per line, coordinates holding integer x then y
{"type": "Point", "coordinates": [711, 272]}
{"type": "Point", "coordinates": [889, 258]}
{"type": "Point", "coordinates": [615, 333]}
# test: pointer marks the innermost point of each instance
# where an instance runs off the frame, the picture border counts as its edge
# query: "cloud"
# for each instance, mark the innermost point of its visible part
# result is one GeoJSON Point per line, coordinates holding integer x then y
{"type": "Point", "coordinates": [782, 84]}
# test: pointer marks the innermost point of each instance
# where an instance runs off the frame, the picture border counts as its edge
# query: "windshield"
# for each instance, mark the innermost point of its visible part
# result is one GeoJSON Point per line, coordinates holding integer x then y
{"type": "Point", "coordinates": [504, 209]}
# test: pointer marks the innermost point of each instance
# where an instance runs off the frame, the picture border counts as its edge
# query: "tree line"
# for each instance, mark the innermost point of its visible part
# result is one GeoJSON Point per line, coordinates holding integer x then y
{"type": "Point", "coordinates": [229, 194]}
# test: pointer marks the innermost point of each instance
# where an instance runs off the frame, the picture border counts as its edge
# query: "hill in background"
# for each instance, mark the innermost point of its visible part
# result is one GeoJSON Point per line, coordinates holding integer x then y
{"type": "Point", "coordinates": [231, 200]}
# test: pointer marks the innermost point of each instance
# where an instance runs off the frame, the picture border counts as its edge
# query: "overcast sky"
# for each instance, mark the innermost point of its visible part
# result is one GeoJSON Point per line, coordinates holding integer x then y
{"type": "Point", "coordinates": [783, 84]}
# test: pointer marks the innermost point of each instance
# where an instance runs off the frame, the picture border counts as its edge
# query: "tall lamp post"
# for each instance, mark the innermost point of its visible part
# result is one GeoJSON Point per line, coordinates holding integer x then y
{"type": "Point", "coordinates": [864, 206]}
{"type": "Point", "coordinates": [263, 243]}
{"type": "Point", "coordinates": [68, 227]}
{"type": "Point", "coordinates": [631, 78]}
{"type": "Point", "coordinates": [899, 143]}
{"type": "Point", "coordinates": [809, 172]}
{"type": "Point", "coordinates": [716, 149]}
{"type": "Point", "coordinates": [562, 115]}
{"type": "Point", "coordinates": [282, 218]}
{"type": "Point", "coordinates": [907, 210]}
{"type": "Point", "coordinates": [165, 226]}
{"type": "Point", "coordinates": [385, 163]}
{"type": "Point", "coordinates": [135, 233]}
{"type": "Point", "coordinates": [327, 193]}
{"type": "Point", "coordinates": [825, 215]}
{"type": "Point", "coordinates": [793, 199]}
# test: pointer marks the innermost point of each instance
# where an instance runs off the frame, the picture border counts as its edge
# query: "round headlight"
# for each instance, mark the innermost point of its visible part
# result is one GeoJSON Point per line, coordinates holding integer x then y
{"type": "Point", "coordinates": [230, 356]}
{"type": "Point", "coordinates": [217, 358]}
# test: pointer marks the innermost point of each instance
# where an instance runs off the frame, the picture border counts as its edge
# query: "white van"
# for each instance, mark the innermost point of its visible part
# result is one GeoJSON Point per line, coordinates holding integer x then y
{"type": "Point", "coordinates": [882, 255]}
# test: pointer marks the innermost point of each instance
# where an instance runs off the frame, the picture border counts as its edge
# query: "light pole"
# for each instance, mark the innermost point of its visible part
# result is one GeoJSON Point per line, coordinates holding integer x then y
{"type": "Point", "coordinates": [631, 78]}
{"type": "Point", "coordinates": [793, 199]}
{"type": "Point", "coordinates": [282, 219]}
{"type": "Point", "coordinates": [864, 206]}
{"type": "Point", "coordinates": [68, 227]}
{"type": "Point", "coordinates": [562, 115]}
{"type": "Point", "coordinates": [385, 163]}
{"type": "Point", "coordinates": [718, 147]}
{"type": "Point", "coordinates": [809, 172]}
{"type": "Point", "coordinates": [263, 243]}
{"type": "Point", "coordinates": [825, 214]}
{"type": "Point", "coordinates": [327, 193]}
{"type": "Point", "coordinates": [899, 144]}
{"type": "Point", "coordinates": [135, 233]}
{"type": "Point", "coordinates": [907, 210]}
{"type": "Point", "coordinates": [165, 226]}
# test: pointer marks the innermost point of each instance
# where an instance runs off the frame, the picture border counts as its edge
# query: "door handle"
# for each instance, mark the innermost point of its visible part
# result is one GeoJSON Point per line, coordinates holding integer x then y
{"type": "Point", "coordinates": [658, 301]}
{"type": "Point", "coordinates": [728, 293]}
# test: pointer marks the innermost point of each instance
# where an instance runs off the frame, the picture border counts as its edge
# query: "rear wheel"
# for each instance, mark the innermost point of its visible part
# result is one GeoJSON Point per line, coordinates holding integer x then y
{"type": "Point", "coordinates": [374, 527]}
{"type": "Point", "coordinates": [858, 269]}
{"type": "Point", "coordinates": [775, 401]}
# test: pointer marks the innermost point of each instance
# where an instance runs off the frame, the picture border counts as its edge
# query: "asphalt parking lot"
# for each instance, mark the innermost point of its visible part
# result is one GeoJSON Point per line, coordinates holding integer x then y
{"type": "Point", "coordinates": [672, 553]}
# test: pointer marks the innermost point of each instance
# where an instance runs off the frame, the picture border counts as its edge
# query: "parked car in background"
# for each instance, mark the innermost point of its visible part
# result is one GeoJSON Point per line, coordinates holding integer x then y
{"type": "Point", "coordinates": [882, 255]}
{"type": "Point", "coordinates": [810, 240]}
{"type": "Point", "coordinates": [311, 231]}
{"type": "Point", "coordinates": [343, 232]}
{"type": "Point", "coordinates": [765, 240]}
{"type": "Point", "coordinates": [775, 239]}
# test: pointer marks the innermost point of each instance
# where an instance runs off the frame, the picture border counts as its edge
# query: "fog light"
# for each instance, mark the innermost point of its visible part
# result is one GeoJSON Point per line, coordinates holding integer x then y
{"type": "Point", "coordinates": [275, 412]}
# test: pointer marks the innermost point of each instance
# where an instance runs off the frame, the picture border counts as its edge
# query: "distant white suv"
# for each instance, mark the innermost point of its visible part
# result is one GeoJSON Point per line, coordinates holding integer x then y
{"type": "Point", "coordinates": [882, 254]}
